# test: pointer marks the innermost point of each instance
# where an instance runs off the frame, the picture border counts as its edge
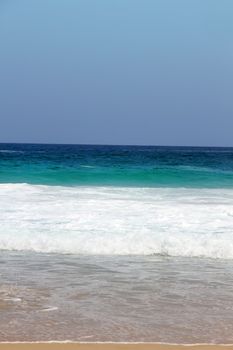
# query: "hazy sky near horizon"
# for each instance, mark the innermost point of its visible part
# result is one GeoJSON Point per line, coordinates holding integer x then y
{"type": "Point", "coordinates": [157, 72]}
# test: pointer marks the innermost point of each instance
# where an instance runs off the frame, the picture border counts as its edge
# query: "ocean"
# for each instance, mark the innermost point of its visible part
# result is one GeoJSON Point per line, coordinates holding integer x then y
{"type": "Point", "coordinates": [116, 243]}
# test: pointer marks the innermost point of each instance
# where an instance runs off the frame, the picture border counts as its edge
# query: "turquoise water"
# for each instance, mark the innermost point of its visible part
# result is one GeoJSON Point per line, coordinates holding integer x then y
{"type": "Point", "coordinates": [139, 166]}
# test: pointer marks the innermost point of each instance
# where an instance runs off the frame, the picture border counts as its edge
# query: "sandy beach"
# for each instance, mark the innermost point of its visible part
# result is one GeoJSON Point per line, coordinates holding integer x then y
{"type": "Point", "coordinates": [106, 346]}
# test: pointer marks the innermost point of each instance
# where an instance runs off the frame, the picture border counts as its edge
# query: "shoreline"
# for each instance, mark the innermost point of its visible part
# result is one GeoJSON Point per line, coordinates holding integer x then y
{"type": "Point", "coordinates": [115, 343]}
{"type": "Point", "coordinates": [66, 345]}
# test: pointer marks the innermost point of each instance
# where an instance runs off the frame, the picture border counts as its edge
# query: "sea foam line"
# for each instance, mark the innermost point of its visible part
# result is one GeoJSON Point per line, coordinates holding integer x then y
{"type": "Point", "coordinates": [117, 221]}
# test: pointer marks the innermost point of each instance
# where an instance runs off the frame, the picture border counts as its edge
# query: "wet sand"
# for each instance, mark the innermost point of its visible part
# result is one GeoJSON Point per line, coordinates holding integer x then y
{"type": "Point", "coordinates": [107, 346]}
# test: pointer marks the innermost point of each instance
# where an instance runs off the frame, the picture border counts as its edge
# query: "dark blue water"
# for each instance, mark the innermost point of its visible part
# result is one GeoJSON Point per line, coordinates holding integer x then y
{"type": "Point", "coordinates": [146, 166]}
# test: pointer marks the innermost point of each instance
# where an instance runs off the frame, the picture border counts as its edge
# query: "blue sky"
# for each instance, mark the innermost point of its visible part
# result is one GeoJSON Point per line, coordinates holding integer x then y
{"type": "Point", "coordinates": [157, 72]}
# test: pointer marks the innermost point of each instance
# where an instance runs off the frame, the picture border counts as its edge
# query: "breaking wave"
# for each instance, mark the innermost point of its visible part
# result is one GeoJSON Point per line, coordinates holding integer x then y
{"type": "Point", "coordinates": [117, 221]}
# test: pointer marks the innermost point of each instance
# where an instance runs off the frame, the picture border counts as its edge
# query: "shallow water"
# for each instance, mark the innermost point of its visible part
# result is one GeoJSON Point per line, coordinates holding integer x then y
{"type": "Point", "coordinates": [121, 298]}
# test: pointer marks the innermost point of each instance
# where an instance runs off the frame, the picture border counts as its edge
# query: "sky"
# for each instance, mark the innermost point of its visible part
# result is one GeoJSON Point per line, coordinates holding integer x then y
{"type": "Point", "coordinates": [144, 72]}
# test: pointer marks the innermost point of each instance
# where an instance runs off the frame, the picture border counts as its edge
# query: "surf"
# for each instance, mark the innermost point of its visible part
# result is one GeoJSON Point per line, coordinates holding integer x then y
{"type": "Point", "coordinates": [117, 220]}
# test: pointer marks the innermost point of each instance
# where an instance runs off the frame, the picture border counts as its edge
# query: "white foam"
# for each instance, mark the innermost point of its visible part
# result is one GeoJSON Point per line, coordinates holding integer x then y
{"type": "Point", "coordinates": [49, 308]}
{"type": "Point", "coordinates": [98, 220]}
{"type": "Point", "coordinates": [10, 151]}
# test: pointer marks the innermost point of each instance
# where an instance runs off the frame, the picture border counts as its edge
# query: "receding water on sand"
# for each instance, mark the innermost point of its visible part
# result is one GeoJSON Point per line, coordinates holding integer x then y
{"type": "Point", "coordinates": [121, 298]}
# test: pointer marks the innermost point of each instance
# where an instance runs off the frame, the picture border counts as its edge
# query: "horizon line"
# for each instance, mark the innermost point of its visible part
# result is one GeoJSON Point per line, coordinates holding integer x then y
{"type": "Point", "coordinates": [105, 144]}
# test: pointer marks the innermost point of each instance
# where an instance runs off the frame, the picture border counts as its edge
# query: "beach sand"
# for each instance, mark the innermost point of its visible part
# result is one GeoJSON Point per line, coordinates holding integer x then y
{"type": "Point", "coordinates": [106, 346]}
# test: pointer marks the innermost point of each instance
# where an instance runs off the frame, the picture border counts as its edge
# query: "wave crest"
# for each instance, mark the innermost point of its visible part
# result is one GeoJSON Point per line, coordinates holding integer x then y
{"type": "Point", "coordinates": [117, 221]}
